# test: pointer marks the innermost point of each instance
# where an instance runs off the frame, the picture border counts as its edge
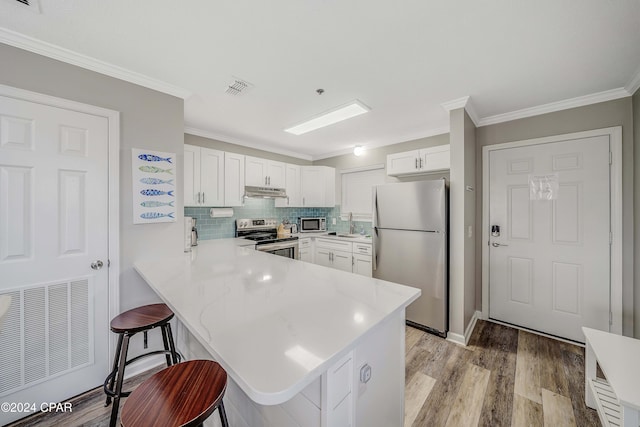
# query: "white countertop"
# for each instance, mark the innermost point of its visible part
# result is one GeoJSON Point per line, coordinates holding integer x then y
{"type": "Point", "coordinates": [275, 324]}
{"type": "Point", "coordinates": [618, 358]}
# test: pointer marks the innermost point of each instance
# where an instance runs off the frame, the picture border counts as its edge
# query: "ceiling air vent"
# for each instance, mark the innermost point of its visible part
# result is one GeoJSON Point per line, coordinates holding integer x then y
{"type": "Point", "coordinates": [32, 5]}
{"type": "Point", "coordinates": [238, 86]}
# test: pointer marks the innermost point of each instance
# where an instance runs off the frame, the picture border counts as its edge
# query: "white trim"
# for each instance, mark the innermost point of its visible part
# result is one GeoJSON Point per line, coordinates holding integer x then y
{"type": "Point", "coordinates": [615, 138]}
{"type": "Point", "coordinates": [234, 140]}
{"type": "Point", "coordinates": [454, 104]}
{"type": "Point", "coordinates": [49, 50]}
{"type": "Point", "coordinates": [634, 83]}
{"type": "Point", "coordinates": [464, 339]}
{"type": "Point", "coordinates": [594, 98]}
{"type": "Point", "coordinates": [363, 168]}
{"type": "Point", "coordinates": [113, 118]}
{"type": "Point", "coordinates": [464, 102]}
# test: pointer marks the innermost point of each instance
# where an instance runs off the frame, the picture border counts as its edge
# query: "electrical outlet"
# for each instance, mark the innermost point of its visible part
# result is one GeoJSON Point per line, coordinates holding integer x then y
{"type": "Point", "coordinates": [333, 221]}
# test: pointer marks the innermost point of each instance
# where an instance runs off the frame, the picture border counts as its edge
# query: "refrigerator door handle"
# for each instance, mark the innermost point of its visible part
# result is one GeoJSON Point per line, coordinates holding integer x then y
{"type": "Point", "coordinates": [374, 256]}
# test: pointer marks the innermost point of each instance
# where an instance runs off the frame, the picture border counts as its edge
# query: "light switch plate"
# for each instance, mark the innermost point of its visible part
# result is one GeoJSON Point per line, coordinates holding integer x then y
{"type": "Point", "coordinates": [365, 373]}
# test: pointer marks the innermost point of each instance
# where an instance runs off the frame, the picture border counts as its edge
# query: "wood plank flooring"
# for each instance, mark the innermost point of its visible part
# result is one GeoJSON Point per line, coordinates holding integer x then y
{"type": "Point", "coordinates": [504, 377]}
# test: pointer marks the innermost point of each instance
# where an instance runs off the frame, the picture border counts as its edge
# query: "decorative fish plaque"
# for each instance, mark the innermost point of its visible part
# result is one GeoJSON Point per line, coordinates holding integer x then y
{"type": "Point", "coordinates": [153, 175]}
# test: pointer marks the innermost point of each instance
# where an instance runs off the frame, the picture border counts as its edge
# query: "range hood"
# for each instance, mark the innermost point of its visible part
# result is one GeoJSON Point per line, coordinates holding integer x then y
{"type": "Point", "coordinates": [265, 192]}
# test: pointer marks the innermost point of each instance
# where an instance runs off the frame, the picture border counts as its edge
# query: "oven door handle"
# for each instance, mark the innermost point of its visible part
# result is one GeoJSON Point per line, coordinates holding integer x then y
{"type": "Point", "coordinates": [276, 246]}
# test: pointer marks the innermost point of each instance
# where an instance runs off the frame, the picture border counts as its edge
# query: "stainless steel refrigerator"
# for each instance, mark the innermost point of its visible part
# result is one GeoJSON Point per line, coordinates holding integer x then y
{"type": "Point", "coordinates": [410, 247]}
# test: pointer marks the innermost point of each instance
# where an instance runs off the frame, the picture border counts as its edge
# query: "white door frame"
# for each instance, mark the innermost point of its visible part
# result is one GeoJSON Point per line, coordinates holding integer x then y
{"type": "Point", "coordinates": [113, 119]}
{"type": "Point", "coordinates": [615, 138]}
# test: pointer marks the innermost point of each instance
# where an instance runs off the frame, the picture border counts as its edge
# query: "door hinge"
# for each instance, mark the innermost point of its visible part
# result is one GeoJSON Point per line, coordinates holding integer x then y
{"type": "Point", "coordinates": [610, 158]}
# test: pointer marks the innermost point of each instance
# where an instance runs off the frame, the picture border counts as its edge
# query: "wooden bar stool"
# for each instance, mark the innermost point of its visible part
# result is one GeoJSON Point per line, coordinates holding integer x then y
{"type": "Point", "coordinates": [126, 325]}
{"type": "Point", "coordinates": [185, 394]}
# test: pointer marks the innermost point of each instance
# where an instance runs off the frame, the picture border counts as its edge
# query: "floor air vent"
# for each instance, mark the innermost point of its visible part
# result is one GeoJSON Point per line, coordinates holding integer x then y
{"type": "Point", "coordinates": [47, 331]}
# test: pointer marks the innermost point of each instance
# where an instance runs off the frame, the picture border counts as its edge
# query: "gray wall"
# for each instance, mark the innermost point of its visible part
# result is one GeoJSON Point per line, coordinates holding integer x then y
{"type": "Point", "coordinates": [462, 290]}
{"type": "Point", "coordinates": [148, 119]}
{"type": "Point", "coordinates": [636, 280]}
{"type": "Point", "coordinates": [239, 149]}
{"type": "Point", "coordinates": [596, 116]}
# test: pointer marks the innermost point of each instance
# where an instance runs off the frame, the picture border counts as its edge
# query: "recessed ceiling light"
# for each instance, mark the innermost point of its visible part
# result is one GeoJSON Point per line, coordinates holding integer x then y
{"type": "Point", "coordinates": [358, 150]}
{"type": "Point", "coordinates": [344, 112]}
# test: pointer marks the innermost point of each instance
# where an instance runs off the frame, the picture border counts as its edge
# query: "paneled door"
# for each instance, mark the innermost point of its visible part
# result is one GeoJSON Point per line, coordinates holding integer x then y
{"type": "Point", "coordinates": [53, 253]}
{"type": "Point", "coordinates": [549, 248]}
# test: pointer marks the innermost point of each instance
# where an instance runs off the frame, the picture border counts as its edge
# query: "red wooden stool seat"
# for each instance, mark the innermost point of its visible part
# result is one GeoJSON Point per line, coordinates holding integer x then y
{"type": "Point", "coordinates": [185, 394]}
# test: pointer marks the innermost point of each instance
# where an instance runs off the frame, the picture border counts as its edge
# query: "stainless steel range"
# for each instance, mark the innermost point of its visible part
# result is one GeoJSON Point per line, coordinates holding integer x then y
{"type": "Point", "coordinates": [265, 233]}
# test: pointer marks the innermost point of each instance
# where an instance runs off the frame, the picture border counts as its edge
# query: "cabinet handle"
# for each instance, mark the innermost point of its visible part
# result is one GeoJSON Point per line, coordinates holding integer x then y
{"type": "Point", "coordinates": [303, 201]}
{"type": "Point", "coordinates": [269, 179]}
{"type": "Point", "coordinates": [420, 162]}
{"type": "Point", "coordinates": [265, 180]}
{"type": "Point", "coordinates": [203, 197]}
{"type": "Point", "coordinates": [198, 197]}
{"type": "Point", "coordinates": [416, 163]}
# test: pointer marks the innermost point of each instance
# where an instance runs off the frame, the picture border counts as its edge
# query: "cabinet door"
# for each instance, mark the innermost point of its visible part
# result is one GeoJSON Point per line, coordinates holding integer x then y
{"type": "Point", "coordinates": [362, 265]}
{"type": "Point", "coordinates": [403, 163]}
{"type": "Point", "coordinates": [255, 171]}
{"type": "Point", "coordinates": [436, 158]}
{"type": "Point", "coordinates": [276, 174]}
{"type": "Point", "coordinates": [322, 257]}
{"type": "Point", "coordinates": [211, 177]}
{"type": "Point", "coordinates": [233, 179]}
{"type": "Point", "coordinates": [342, 261]}
{"type": "Point", "coordinates": [305, 255]}
{"type": "Point", "coordinates": [191, 175]}
{"type": "Point", "coordinates": [292, 185]}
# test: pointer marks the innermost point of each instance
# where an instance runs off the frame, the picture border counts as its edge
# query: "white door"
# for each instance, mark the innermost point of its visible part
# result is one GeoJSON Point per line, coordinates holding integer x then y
{"type": "Point", "coordinates": [233, 179]}
{"type": "Point", "coordinates": [549, 269]}
{"type": "Point", "coordinates": [276, 172]}
{"type": "Point", "coordinates": [255, 172]}
{"type": "Point", "coordinates": [191, 175]}
{"type": "Point", "coordinates": [53, 226]}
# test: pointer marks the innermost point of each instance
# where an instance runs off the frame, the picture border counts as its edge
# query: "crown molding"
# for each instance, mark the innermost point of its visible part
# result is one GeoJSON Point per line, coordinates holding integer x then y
{"type": "Point", "coordinates": [580, 101]}
{"type": "Point", "coordinates": [191, 130]}
{"type": "Point", "coordinates": [464, 102]}
{"type": "Point", "coordinates": [49, 50]}
{"type": "Point", "coordinates": [634, 83]}
{"type": "Point", "coordinates": [456, 103]}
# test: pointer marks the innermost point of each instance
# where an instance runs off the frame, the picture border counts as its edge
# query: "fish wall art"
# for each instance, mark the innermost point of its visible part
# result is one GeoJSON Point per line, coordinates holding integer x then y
{"type": "Point", "coordinates": [154, 189]}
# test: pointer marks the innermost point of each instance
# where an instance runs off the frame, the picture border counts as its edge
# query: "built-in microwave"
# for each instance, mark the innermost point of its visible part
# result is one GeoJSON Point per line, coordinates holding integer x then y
{"type": "Point", "coordinates": [309, 225]}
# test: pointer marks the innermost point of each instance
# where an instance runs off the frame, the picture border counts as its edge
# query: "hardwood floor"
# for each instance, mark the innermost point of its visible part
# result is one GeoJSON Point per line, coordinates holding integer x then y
{"type": "Point", "coordinates": [504, 377]}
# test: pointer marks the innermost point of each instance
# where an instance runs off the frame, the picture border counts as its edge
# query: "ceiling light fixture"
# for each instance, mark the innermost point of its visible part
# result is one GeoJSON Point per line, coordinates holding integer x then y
{"type": "Point", "coordinates": [358, 150]}
{"type": "Point", "coordinates": [344, 112]}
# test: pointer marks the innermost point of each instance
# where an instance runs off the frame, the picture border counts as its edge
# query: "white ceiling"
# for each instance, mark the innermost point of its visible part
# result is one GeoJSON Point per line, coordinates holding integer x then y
{"type": "Point", "coordinates": [403, 59]}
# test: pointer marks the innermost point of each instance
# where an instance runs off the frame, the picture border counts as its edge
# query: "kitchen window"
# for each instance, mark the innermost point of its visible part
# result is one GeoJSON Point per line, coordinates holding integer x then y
{"type": "Point", "coordinates": [357, 188]}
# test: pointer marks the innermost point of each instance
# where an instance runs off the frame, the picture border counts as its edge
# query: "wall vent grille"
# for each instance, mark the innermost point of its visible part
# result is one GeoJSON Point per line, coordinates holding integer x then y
{"type": "Point", "coordinates": [47, 331]}
{"type": "Point", "coordinates": [238, 86]}
{"type": "Point", "coordinates": [32, 5]}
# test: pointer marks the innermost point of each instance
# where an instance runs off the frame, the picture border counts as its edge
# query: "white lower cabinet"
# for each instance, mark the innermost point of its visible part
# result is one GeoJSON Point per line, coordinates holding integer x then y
{"type": "Point", "coordinates": [305, 250]}
{"type": "Point", "coordinates": [338, 254]}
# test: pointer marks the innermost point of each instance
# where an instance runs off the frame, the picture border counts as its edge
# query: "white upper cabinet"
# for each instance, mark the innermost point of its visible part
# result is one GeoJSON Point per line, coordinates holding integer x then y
{"type": "Point", "coordinates": [234, 179]}
{"type": "Point", "coordinates": [318, 186]}
{"type": "Point", "coordinates": [292, 186]}
{"type": "Point", "coordinates": [415, 162]}
{"type": "Point", "coordinates": [203, 176]}
{"type": "Point", "coordinates": [264, 173]}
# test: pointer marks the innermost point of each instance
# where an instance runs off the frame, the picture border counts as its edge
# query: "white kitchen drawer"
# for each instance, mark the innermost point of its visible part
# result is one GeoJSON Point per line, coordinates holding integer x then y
{"type": "Point", "coordinates": [337, 245]}
{"type": "Point", "coordinates": [362, 248]}
{"type": "Point", "coordinates": [304, 243]}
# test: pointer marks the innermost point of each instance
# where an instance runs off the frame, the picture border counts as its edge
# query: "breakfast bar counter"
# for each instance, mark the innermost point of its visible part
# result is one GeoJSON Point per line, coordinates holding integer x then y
{"type": "Point", "coordinates": [294, 337]}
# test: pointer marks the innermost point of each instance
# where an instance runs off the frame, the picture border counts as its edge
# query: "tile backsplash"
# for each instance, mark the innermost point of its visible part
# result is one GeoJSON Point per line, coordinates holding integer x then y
{"type": "Point", "coordinates": [219, 228]}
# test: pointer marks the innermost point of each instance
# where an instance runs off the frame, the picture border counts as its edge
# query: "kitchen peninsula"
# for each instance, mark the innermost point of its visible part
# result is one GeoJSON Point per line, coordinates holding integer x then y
{"type": "Point", "coordinates": [304, 345]}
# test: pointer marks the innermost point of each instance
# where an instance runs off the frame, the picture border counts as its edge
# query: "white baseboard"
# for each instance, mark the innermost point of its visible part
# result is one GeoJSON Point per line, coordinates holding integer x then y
{"type": "Point", "coordinates": [464, 339]}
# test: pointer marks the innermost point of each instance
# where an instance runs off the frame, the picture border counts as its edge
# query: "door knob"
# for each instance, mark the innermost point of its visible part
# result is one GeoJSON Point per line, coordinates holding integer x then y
{"type": "Point", "coordinates": [97, 265]}
{"type": "Point", "coordinates": [495, 245]}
